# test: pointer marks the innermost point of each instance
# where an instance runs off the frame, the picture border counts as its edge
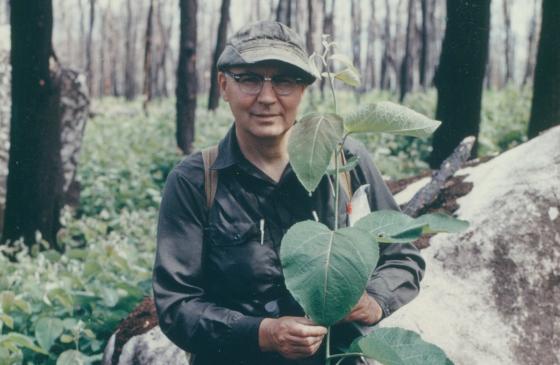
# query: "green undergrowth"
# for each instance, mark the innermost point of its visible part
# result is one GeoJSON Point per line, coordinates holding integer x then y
{"type": "Point", "coordinates": [62, 308]}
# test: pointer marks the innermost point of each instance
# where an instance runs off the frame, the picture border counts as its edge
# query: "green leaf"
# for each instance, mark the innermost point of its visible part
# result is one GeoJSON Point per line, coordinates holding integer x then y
{"type": "Point", "coordinates": [383, 224]}
{"type": "Point", "coordinates": [342, 58]}
{"type": "Point", "coordinates": [7, 320]}
{"type": "Point", "coordinates": [327, 271]}
{"type": "Point", "coordinates": [62, 297]}
{"type": "Point", "coordinates": [109, 296]}
{"type": "Point", "coordinates": [22, 341]}
{"type": "Point", "coordinates": [397, 346]}
{"type": "Point", "coordinates": [392, 118]}
{"type": "Point", "coordinates": [390, 226]}
{"type": "Point", "coordinates": [47, 330]}
{"type": "Point", "coordinates": [72, 357]}
{"type": "Point", "coordinates": [439, 222]}
{"type": "Point", "coordinates": [311, 146]}
{"type": "Point", "coordinates": [349, 76]}
{"type": "Point", "coordinates": [349, 166]}
{"type": "Point", "coordinates": [66, 338]}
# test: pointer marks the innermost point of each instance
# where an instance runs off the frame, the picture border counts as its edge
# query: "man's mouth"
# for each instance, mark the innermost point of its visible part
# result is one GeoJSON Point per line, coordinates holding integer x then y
{"type": "Point", "coordinates": [264, 115]}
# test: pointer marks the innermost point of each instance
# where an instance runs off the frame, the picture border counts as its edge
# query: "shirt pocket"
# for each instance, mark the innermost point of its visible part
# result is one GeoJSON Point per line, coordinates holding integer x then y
{"type": "Point", "coordinates": [233, 235]}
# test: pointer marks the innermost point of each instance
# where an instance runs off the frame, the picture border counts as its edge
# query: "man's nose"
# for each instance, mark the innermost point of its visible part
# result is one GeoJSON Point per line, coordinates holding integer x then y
{"type": "Point", "coordinates": [267, 94]}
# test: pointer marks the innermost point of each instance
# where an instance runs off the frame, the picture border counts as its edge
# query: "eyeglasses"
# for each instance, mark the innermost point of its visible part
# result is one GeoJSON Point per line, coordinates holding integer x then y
{"type": "Point", "coordinates": [252, 83]}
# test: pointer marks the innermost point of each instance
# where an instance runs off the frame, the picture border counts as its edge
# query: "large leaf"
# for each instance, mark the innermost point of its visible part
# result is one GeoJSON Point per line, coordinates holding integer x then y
{"type": "Point", "coordinates": [327, 271]}
{"type": "Point", "coordinates": [439, 222]}
{"type": "Point", "coordinates": [389, 226]}
{"type": "Point", "coordinates": [312, 144]}
{"type": "Point", "coordinates": [390, 118]}
{"type": "Point", "coordinates": [21, 341]}
{"type": "Point", "coordinates": [47, 330]}
{"type": "Point", "coordinates": [72, 357]}
{"type": "Point", "coordinates": [397, 346]}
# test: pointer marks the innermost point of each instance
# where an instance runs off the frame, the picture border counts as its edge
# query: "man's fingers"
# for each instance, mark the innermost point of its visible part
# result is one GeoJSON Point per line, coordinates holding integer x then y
{"type": "Point", "coordinates": [304, 341]}
{"type": "Point", "coordinates": [306, 330]}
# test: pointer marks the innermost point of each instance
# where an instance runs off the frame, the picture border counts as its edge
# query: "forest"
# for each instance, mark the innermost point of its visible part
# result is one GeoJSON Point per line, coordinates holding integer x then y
{"type": "Point", "coordinates": [100, 99]}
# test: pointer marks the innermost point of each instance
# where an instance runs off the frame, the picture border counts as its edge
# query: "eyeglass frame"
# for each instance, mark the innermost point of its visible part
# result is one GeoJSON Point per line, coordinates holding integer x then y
{"type": "Point", "coordinates": [236, 77]}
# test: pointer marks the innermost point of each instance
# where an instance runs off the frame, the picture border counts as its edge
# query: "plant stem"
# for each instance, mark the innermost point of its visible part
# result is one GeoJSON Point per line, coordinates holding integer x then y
{"type": "Point", "coordinates": [331, 83]}
{"type": "Point", "coordinates": [328, 347]}
{"type": "Point", "coordinates": [336, 189]}
{"type": "Point", "coordinates": [343, 356]}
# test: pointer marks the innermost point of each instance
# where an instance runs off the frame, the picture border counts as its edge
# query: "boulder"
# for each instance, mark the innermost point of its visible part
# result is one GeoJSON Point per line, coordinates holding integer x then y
{"type": "Point", "coordinates": [490, 295]}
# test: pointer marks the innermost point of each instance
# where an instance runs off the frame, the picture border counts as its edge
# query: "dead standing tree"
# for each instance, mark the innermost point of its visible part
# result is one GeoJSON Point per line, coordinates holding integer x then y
{"type": "Point", "coordinates": [148, 40]}
{"type": "Point", "coordinates": [214, 95]}
{"type": "Point", "coordinates": [460, 75]}
{"type": "Point", "coordinates": [545, 108]}
{"type": "Point", "coordinates": [34, 189]}
{"type": "Point", "coordinates": [186, 76]}
{"type": "Point", "coordinates": [406, 78]}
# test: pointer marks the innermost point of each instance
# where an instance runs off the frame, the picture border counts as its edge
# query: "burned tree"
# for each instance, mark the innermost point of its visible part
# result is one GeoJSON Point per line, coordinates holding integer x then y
{"type": "Point", "coordinates": [214, 95]}
{"type": "Point", "coordinates": [186, 77]}
{"type": "Point", "coordinates": [460, 75]}
{"type": "Point", "coordinates": [34, 188]}
{"type": "Point", "coordinates": [545, 108]}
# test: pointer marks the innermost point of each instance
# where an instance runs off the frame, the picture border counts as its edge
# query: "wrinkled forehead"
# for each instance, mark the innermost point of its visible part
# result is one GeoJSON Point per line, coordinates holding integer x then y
{"type": "Point", "coordinates": [268, 68]}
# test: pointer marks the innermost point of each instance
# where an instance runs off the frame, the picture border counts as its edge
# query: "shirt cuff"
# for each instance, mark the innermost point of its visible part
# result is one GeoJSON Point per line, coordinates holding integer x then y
{"type": "Point", "coordinates": [245, 333]}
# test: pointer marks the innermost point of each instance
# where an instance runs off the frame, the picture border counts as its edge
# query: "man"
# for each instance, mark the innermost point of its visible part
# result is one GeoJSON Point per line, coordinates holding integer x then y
{"type": "Point", "coordinates": [218, 282]}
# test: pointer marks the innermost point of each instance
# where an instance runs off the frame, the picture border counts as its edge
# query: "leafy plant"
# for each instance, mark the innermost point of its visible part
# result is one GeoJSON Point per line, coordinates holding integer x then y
{"type": "Point", "coordinates": [327, 270]}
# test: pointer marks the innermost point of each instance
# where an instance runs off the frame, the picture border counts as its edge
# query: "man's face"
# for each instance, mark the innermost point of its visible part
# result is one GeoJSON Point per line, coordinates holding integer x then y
{"type": "Point", "coordinates": [267, 114]}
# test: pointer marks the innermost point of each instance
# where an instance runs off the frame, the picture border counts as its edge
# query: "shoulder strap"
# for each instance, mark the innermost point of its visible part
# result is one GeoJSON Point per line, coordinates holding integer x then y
{"type": "Point", "coordinates": [209, 155]}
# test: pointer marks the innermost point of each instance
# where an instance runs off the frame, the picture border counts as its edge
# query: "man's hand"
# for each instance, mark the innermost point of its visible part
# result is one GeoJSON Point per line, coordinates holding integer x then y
{"type": "Point", "coordinates": [292, 337]}
{"type": "Point", "coordinates": [367, 311]}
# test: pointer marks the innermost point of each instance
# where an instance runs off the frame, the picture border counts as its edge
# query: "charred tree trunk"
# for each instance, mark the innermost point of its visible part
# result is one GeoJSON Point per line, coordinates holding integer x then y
{"type": "Point", "coordinates": [369, 76]}
{"type": "Point", "coordinates": [532, 42]}
{"type": "Point", "coordinates": [508, 42]}
{"type": "Point", "coordinates": [407, 62]}
{"type": "Point", "coordinates": [186, 77]}
{"type": "Point", "coordinates": [460, 75]}
{"type": "Point", "coordinates": [387, 52]}
{"type": "Point", "coordinates": [545, 108]}
{"type": "Point", "coordinates": [424, 47]}
{"type": "Point", "coordinates": [214, 95]}
{"type": "Point", "coordinates": [34, 190]}
{"type": "Point", "coordinates": [328, 29]}
{"type": "Point", "coordinates": [356, 35]}
{"type": "Point", "coordinates": [130, 49]}
{"type": "Point", "coordinates": [89, 46]}
{"type": "Point", "coordinates": [147, 89]}
{"type": "Point", "coordinates": [284, 12]}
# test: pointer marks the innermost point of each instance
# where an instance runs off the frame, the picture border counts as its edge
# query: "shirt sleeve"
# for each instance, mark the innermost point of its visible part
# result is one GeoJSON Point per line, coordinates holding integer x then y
{"type": "Point", "coordinates": [186, 315]}
{"type": "Point", "coordinates": [396, 279]}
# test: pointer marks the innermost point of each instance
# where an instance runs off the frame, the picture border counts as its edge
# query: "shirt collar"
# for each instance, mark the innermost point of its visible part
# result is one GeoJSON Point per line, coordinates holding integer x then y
{"type": "Point", "coordinates": [229, 152]}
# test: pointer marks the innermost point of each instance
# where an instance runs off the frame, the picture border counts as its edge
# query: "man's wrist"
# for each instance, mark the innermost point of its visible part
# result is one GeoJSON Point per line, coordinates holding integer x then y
{"type": "Point", "coordinates": [265, 342]}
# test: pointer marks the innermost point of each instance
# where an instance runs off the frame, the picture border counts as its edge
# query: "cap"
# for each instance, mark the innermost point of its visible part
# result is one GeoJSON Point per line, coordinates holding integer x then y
{"type": "Point", "coordinates": [266, 41]}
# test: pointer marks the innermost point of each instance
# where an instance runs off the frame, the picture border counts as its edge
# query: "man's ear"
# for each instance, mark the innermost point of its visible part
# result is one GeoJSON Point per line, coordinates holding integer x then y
{"type": "Point", "coordinates": [222, 82]}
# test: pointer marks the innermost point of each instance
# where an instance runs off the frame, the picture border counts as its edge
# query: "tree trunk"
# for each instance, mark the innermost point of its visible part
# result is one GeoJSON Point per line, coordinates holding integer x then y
{"type": "Point", "coordinates": [328, 29]}
{"type": "Point", "coordinates": [424, 47]}
{"type": "Point", "coordinates": [508, 42]}
{"type": "Point", "coordinates": [284, 12]}
{"type": "Point", "coordinates": [532, 46]}
{"type": "Point", "coordinates": [161, 67]}
{"type": "Point", "coordinates": [147, 89]}
{"type": "Point", "coordinates": [545, 108]}
{"type": "Point", "coordinates": [130, 54]}
{"type": "Point", "coordinates": [214, 95]}
{"type": "Point", "coordinates": [369, 75]}
{"type": "Point", "coordinates": [89, 45]}
{"type": "Point", "coordinates": [34, 191]}
{"type": "Point", "coordinates": [186, 77]}
{"type": "Point", "coordinates": [460, 75]}
{"type": "Point", "coordinates": [356, 37]}
{"type": "Point", "coordinates": [407, 62]}
{"type": "Point", "coordinates": [387, 52]}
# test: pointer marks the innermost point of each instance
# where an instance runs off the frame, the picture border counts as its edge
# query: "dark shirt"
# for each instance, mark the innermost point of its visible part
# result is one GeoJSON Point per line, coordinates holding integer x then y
{"type": "Point", "coordinates": [214, 281]}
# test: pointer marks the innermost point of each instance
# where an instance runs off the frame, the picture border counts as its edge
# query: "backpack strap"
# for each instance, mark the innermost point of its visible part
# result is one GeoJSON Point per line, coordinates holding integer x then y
{"type": "Point", "coordinates": [209, 155]}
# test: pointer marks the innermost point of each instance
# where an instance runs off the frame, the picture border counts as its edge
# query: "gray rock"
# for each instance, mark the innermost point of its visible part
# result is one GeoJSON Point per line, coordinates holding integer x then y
{"type": "Point", "coordinates": [150, 348]}
{"type": "Point", "coordinates": [491, 294]}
